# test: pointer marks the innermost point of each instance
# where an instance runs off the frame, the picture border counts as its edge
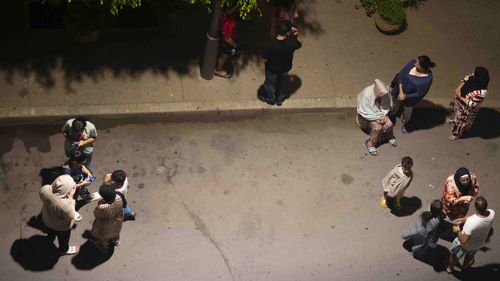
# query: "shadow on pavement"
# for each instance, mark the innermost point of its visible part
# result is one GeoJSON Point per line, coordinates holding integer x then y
{"type": "Point", "coordinates": [489, 272]}
{"type": "Point", "coordinates": [36, 223]}
{"type": "Point", "coordinates": [430, 116]}
{"type": "Point", "coordinates": [408, 206]}
{"type": "Point", "coordinates": [36, 253]}
{"type": "Point", "coordinates": [437, 257]}
{"type": "Point", "coordinates": [487, 124]}
{"type": "Point", "coordinates": [89, 256]}
{"type": "Point", "coordinates": [32, 136]}
{"type": "Point", "coordinates": [45, 55]}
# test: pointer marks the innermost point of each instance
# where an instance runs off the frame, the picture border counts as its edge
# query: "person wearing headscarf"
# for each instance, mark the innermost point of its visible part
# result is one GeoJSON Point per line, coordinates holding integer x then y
{"type": "Point", "coordinates": [410, 86]}
{"type": "Point", "coordinates": [108, 217]}
{"type": "Point", "coordinates": [469, 94]}
{"type": "Point", "coordinates": [58, 212]}
{"type": "Point", "coordinates": [374, 103]}
{"type": "Point", "coordinates": [459, 190]}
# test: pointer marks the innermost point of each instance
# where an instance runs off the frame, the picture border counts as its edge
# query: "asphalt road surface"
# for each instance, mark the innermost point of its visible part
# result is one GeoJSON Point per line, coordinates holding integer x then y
{"type": "Point", "coordinates": [274, 197]}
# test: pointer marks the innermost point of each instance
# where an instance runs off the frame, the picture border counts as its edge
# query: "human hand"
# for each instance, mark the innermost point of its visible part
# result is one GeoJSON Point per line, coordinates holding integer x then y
{"type": "Point", "coordinates": [401, 96]}
{"type": "Point", "coordinates": [456, 229]}
{"type": "Point", "coordinates": [295, 31]}
{"type": "Point", "coordinates": [107, 178]}
{"type": "Point", "coordinates": [81, 143]}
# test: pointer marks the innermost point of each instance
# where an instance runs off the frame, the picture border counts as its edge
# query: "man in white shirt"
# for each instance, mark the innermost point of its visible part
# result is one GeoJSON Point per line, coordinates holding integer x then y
{"type": "Point", "coordinates": [475, 233]}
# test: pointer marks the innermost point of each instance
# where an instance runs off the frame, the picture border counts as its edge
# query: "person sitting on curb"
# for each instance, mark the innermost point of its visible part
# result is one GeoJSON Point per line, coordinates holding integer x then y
{"type": "Point", "coordinates": [58, 212]}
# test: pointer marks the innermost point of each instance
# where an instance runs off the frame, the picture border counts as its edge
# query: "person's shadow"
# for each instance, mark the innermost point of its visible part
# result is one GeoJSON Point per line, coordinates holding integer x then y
{"type": "Point", "coordinates": [293, 84]}
{"type": "Point", "coordinates": [426, 115]}
{"type": "Point", "coordinates": [89, 256]}
{"type": "Point", "coordinates": [36, 253]}
{"type": "Point", "coordinates": [437, 257]}
{"type": "Point", "coordinates": [408, 206]}
{"type": "Point", "coordinates": [486, 125]}
{"type": "Point", "coordinates": [489, 272]}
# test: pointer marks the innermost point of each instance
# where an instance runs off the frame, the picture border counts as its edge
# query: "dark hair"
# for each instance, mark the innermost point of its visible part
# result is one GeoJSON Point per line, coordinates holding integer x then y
{"type": "Point", "coordinates": [478, 81]}
{"type": "Point", "coordinates": [425, 62]}
{"type": "Point", "coordinates": [481, 204]}
{"type": "Point", "coordinates": [435, 212]}
{"type": "Point", "coordinates": [79, 124]}
{"type": "Point", "coordinates": [119, 177]}
{"type": "Point", "coordinates": [78, 156]}
{"type": "Point", "coordinates": [107, 193]}
{"type": "Point", "coordinates": [284, 26]}
{"type": "Point", "coordinates": [406, 161]}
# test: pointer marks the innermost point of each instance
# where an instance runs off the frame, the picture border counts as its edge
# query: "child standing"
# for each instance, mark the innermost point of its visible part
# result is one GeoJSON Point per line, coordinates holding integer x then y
{"type": "Point", "coordinates": [395, 184]}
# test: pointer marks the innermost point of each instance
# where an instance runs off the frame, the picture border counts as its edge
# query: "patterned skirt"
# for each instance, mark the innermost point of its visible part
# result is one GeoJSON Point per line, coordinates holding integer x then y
{"type": "Point", "coordinates": [464, 117]}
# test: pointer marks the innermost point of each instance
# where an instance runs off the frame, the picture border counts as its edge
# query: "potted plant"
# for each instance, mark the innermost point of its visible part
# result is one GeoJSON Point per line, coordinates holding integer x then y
{"type": "Point", "coordinates": [390, 16]}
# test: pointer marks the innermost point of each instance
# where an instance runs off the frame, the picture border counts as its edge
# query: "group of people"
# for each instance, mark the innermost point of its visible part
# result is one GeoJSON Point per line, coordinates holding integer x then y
{"type": "Point", "coordinates": [69, 186]}
{"type": "Point", "coordinates": [278, 52]}
{"type": "Point", "coordinates": [446, 216]}
{"type": "Point", "coordinates": [379, 104]}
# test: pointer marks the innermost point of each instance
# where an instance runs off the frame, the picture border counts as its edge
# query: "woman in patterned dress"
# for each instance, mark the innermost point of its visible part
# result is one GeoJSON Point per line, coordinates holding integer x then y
{"type": "Point", "coordinates": [459, 190]}
{"type": "Point", "coordinates": [468, 96]}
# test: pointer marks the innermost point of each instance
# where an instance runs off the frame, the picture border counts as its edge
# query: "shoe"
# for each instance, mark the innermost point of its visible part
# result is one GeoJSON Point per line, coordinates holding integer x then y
{"type": "Point", "coordinates": [452, 137]}
{"type": "Point", "coordinates": [78, 217]}
{"type": "Point", "coordinates": [130, 217]}
{"type": "Point", "coordinates": [265, 99]}
{"type": "Point", "coordinates": [404, 130]}
{"type": "Point", "coordinates": [383, 202]}
{"type": "Point", "coordinates": [71, 251]}
{"type": "Point", "coordinates": [450, 120]}
{"type": "Point", "coordinates": [280, 100]}
{"type": "Point", "coordinates": [393, 142]}
{"type": "Point", "coordinates": [371, 149]}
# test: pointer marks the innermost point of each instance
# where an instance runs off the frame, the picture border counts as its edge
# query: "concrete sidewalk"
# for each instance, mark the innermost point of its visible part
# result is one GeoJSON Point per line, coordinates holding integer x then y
{"type": "Point", "coordinates": [342, 53]}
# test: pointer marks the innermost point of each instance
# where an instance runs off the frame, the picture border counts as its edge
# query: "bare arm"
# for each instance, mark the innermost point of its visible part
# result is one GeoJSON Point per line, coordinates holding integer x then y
{"type": "Point", "coordinates": [463, 238]}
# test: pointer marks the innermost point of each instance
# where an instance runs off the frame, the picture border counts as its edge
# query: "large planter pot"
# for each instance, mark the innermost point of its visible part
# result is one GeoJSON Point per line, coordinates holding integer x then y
{"type": "Point", "coordinates": [387, 27]}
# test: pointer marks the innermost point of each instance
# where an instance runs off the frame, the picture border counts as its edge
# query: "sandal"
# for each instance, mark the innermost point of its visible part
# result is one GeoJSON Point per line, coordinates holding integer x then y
{"type": "Point", "coordinates": [383, 202]}
{"type": "Point", "coordinates": [372, 150]}
{"type": "Point", "coordinates": [227, 75]}
{"type": "Point", "coordinates": [467, 266]}
{"type": "Point", "coordinates": [452, 137]}
{"type": "Point", "coordinates": [71, 250]}
{"type": "Point", "coordinates": [393, 142]}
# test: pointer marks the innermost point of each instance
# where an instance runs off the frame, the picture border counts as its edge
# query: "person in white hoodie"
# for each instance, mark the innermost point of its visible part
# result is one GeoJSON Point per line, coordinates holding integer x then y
{"type": "Point", "coordinates": [58, 212]}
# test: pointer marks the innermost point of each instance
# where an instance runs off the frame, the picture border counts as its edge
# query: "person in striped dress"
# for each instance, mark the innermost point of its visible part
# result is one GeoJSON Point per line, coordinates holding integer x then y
{"type": "Point", "coordinates": [468, 96]}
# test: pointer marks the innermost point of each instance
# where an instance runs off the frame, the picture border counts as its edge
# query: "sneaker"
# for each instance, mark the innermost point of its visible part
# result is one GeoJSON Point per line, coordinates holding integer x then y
{"type": "Point", "coordinates": [404, 130]}
{"type": "Point", "coordinates": [452, 137]}
{"type": "Point", "coordinates": [130, 217]}
{"type": "Point", "coordinates": [265, 99]}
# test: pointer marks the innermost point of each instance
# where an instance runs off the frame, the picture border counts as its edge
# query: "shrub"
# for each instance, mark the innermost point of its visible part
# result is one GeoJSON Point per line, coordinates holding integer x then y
{"type": "Point", "coordinates": [391, 11]}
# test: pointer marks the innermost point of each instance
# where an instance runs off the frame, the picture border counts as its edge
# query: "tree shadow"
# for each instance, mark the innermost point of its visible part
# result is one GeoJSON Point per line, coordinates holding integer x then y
{"type": "Point", "coordinates": [36, 253]}
{"type": "Point", "coordinates": [489, 272]}
{"type": "Point", "coordinates": [486, 125]}
{"type": "Point", "coordinates": [437, 257]}
{"type": "Point", "coordinates": [408, 206]}
{"type": "Point", "coordinates": [45, 55]}
{"type": "Point", "coordinates": [427, 116]}
{"type": "Point", "coordinates": [32, 136]}
{"type": "Point", "coordinates": [89, 256]}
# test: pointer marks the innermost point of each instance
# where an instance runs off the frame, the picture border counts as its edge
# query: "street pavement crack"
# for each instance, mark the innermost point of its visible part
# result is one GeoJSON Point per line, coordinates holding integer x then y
{"type": "Point", "coordinates": [202, 227]}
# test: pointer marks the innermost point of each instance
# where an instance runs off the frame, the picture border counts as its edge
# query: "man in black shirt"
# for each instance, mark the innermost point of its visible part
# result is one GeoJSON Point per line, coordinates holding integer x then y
{"type": "Point", "coordinates": [279, 54]}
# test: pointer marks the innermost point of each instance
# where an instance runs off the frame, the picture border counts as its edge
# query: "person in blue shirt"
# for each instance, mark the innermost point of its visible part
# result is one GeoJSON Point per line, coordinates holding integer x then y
{"type": "Point", "coordinates": [410, 86]}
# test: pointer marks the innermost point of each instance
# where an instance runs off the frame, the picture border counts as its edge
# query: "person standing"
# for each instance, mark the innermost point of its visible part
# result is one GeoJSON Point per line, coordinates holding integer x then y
{"type": "Point", "coordinates": [58, 212]}
{"type": "Point", "coordinates": [459, 190]}
{"type": "Point", "coordinates": [118, 179]}
{"type": "Point", "coordinates": [469, 94]}
{"type": "Point", "coordinates": [374, 103]}
{"type": "Point", "coordinates": [475, 233]}
{"type": "Point", "coordinates": [279, 55]}
{"type": "Point", "coordinates": [80, 134]}
{"type": "Point", "coordinates": [410, 86]}
{"type": "Point", "coordinates": [424, 234]}
{"type": "Point", "coordinates": [228, 47]}
{"type": "Point", "coordinates": [395, 184]}
{"type": "Point", "coordinates": [108, 218]}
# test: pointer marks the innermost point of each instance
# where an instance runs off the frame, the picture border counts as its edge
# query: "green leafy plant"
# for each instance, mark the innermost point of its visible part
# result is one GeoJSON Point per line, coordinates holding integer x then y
{"type": "Point", "coordinates": [391, 11]}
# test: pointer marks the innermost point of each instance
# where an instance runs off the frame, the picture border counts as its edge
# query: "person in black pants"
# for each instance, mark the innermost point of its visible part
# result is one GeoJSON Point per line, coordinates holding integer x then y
{"type": "Point", "coordinates": [279, 55]}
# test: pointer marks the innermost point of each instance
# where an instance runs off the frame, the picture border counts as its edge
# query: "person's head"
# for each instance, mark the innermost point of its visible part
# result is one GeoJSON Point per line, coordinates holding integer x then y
{"type": "Point", "coordinates": [107, 193]}
{"type": "Point", "coordinates": [284, 27]}
{"type": "Point", "coordinates": [481, 77]}
{"type": "Point", "coordinates": [78, 125]}
{"type": "Point", "coordinates": [435, 211]}
{"type": "Point", "coordinates": [118, 177]}
{"type": "Point", "coordinates": [424, 64]}
{"type": "Point", "coordinates": [462, 179]}
{"type": "Point", "coordinates": [62, 186]}
{"type": "Point", "coordinates": [380, 89]}
{"type": "Point", "coordinates": [481, 204]}
{"type": "Point", "coordinates": [77, 158]}
{"type": "Point", "coordinates": [406, 164]}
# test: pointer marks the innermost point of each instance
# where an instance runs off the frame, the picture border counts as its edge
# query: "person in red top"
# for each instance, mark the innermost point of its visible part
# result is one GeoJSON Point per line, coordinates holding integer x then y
{"type": "Point", "coordinates": [227, 44]}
